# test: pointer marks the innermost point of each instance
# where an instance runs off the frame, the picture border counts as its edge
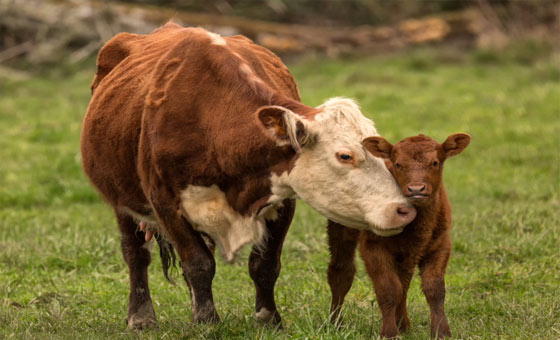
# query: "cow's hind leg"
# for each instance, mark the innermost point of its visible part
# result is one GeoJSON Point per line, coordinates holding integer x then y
{"type": "Point", "coordinates": [137, 256]}
{"type": "Point", "coordinates": [264, 264]}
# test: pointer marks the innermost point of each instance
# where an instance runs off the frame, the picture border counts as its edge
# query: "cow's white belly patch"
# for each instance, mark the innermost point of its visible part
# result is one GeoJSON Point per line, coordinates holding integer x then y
{"type": "Point", "coordinates": [209, 212]}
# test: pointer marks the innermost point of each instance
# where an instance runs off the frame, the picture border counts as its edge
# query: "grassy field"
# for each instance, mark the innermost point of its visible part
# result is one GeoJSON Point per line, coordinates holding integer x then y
{"type": "Point", "coordinates": [62, 275]}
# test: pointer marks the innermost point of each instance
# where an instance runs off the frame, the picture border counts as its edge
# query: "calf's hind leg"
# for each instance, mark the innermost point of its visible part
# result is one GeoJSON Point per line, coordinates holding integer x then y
{"type": "Point", "coordinates": [264, 264]}
{"type": "Point", "coordinates": [342, 267]}
{"type": "Point", "coordinates": [137, 256]}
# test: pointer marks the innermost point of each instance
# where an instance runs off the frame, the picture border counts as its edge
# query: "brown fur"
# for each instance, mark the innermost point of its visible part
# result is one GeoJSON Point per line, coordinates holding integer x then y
{"type": "Point", "coordinates": [171, 109]}
{"type": "Point", "coordinates": [390, 262]}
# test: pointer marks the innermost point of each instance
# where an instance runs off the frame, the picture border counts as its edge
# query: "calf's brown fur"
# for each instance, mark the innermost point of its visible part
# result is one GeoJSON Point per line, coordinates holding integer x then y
{"type": "Point", "coordinates": [417, 165]}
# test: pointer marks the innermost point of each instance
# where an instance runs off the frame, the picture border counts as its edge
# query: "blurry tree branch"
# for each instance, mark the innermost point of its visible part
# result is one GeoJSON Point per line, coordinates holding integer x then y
{"type": "Point", "coordinates": [15, 51]}
{"type": "Point", "coordinates": [51, 31]}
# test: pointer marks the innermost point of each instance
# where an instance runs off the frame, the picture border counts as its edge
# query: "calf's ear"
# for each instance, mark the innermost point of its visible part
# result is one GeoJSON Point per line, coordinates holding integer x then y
{"type": "Point", "coordinates": [455, 144]}
{"type": "Point", "coordinates": [283, 126]}
{"type": "Point", "coordinates": [378, 146]}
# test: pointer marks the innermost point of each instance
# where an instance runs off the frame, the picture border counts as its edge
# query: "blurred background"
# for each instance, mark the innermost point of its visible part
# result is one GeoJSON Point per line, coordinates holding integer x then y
{"type": "Point", "coordinates": [36, 33]}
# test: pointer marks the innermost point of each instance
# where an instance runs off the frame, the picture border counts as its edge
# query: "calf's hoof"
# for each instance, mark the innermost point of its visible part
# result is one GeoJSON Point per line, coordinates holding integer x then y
{"type": "Point", "coordinates": [268, 317]}
{"type": "Point", "coordinates": [442, 333]}
{"type": "Point", "coordinates": [143, 318]}
{"type": "Point", "coordinates": [404, 326]}
{"type": "Point", "coordinates": [390, 333]}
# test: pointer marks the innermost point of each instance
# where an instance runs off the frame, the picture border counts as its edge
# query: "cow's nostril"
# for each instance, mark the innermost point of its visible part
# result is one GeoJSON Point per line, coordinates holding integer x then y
{"type": "Point", "coordinates": [403, 211]}
{"type": "Point", "coordinates": [406, 214]}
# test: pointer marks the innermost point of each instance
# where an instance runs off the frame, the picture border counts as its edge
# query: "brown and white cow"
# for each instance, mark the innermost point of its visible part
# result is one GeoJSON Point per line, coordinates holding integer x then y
{"type": "Point", "coordinates": [204, 137]}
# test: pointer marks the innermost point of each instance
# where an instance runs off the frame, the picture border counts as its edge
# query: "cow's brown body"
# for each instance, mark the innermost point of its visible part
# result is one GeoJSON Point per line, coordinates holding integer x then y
{"type": "Point", "coordinates": [391, 261]}
{"type": "Point", "coordinates": [136, 149]}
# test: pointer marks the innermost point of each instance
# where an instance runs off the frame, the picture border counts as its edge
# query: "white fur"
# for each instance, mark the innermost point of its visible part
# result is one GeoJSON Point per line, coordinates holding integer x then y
{"type": "Point", "coordinates": [244, 68]}
{"type": "Point", "coordinates": [361, 195]}
{"type": "Point", "coordinates": [264, 315]}
{"type": "Point", "coordinates": [209, 212]}
{"type": "Point", "coordinates": [217, 39]}
{"type": "Point", "coordinates": [248, 72]}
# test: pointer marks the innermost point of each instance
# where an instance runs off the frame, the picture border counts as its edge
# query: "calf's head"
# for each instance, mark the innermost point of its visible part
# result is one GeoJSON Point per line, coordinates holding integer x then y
{"type": "Point", "coordinates": [333, 172]}
{"type": "Point", "coordinates": [417, 162]}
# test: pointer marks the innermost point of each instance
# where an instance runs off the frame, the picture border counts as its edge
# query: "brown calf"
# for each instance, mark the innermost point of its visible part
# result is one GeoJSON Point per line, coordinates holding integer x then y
{"type": "Point", "coordinates": [417, 165]}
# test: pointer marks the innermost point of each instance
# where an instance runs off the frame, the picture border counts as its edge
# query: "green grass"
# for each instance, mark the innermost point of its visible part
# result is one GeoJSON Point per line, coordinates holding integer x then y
{"type": "Point", "coordinates": [62, 275]}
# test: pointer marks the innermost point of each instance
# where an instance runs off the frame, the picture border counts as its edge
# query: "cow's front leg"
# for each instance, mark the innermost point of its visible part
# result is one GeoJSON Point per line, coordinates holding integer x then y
{"type": "Point", "coordinates": [264, 264]}
{"type": "Point", "coordinates": [137, 256]}
{"type": "Point", "coordinates": [197, 261]}
{"type": "Point", "coordinates": [342, 267]}
{"type": "Point", "coordinates": [199, 267]}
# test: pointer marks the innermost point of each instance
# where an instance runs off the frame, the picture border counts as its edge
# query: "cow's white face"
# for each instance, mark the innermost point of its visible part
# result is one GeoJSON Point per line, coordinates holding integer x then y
{"type": "Point", "coordinates": [337, 176]}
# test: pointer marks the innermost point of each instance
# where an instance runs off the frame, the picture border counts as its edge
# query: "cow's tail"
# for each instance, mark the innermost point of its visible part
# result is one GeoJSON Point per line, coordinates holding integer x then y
{"type": "Point", "coordinates": [167, 255]}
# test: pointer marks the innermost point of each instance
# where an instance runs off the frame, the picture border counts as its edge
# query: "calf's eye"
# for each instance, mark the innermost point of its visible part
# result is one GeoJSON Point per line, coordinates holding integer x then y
{"type": "Point", "coordinates": [435, 163]}
{"type": "Point", "coordinates": [398, 165]}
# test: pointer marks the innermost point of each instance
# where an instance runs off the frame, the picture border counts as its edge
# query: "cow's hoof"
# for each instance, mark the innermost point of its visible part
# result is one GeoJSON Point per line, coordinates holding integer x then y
{"type": "Point", "coordinates": [211, 317]}
{"type": "Point", "coordinates": [144, 318]}
{"type": "Point", "coordinates": [269, 317]}
{"type": "Point", "coordinates": [337, 320]}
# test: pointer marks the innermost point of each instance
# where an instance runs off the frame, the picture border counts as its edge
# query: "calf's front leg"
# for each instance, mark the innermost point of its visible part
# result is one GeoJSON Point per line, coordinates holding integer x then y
{"type": "Point", "coordinates": [432, 272]}
{"type": "Point", "coordinates": [403, 321]}
{"type": "Point", "coordinates": [381, 269]}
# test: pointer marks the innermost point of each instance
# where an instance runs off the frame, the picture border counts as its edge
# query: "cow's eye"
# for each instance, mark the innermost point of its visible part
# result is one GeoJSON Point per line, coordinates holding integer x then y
{"type": "Point", "coordinates": [345, 157]}
{"type": "Point", "coordinates": [398, 165]}
{"type": "Point", "coordinates": [435, 163]}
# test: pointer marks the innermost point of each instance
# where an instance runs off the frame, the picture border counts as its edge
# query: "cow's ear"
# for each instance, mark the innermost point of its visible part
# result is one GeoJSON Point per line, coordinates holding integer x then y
{"type": "Point", "coordinates": [378, 146]}
{"type": "Point", "coordinates": [455, 144]}
{"type": "Point", "coordinates": [284, 126]}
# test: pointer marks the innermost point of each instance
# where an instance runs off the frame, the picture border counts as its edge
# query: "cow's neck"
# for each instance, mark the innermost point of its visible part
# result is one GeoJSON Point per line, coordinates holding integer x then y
{"type": "Point", "coordinates": [234, 213]}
